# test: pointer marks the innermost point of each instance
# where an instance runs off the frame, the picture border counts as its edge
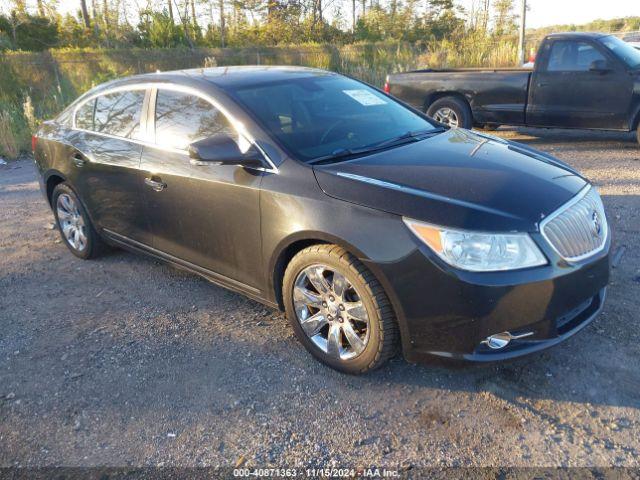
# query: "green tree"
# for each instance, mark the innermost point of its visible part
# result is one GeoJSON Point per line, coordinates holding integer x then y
{"type": "Point", "coordinates": [157, 30]}
{"type": "Point", "coordinates": [504, 19]}
{"type": "Point", "coordinates": [29, 32]}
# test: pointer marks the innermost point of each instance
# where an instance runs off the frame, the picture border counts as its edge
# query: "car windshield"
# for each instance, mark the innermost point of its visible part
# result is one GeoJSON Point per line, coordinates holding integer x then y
{"type": "Point", "coordinates": [623, 51]}
{"type": "Point", "coordinates": [318, 116]}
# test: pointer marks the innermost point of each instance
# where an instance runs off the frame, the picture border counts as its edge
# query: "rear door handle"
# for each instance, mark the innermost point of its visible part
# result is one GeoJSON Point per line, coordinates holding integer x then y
{"type": "Point", "coordinates": [156, 185]}
{"type": "Point", "coordinates": [78, 160]}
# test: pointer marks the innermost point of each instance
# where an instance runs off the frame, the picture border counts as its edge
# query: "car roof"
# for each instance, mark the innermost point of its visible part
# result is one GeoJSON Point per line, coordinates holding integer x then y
{"type": "Point", "coordinates": [578, 35]}
{"type": "Point", "coordinates": [222, 77]}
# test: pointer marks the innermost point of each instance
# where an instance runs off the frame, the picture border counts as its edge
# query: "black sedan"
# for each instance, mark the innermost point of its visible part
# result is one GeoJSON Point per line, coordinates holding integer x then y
{"type": "Point", "coordinates": [369, 224]}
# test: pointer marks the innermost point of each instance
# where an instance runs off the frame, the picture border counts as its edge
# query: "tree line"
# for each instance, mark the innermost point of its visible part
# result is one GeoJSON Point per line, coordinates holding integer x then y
{"type": "Point", "coordinates": [40, 25]}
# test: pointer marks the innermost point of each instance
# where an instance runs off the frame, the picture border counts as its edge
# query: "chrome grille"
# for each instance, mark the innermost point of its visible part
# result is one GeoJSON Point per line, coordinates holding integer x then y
{"type": "Point", "coordinates": [579, 228]}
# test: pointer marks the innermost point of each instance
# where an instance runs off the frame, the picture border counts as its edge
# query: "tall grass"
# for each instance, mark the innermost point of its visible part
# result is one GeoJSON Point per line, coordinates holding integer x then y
{"type": "Point", "coordinates": [8, 143]}
{"type": "Point", "coordinates": [36, 86]}
{"type": "Point", "coordinates": [471, 51]}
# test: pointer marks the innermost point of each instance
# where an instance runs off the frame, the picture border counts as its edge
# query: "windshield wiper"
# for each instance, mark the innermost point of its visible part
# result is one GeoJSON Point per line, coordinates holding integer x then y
{"type": "Point", "coordinates": [338, 154]}
{"type": "Point", "coordinates": [412, 135]}
{"type": "Point", "coordinates": [344, 153]}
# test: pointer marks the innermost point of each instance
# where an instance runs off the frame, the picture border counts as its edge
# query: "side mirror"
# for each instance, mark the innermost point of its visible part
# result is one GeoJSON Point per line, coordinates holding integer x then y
{"type": "Point", "coordinates": [601, 66]}
{"type": "Point", "coordinates": [221, 149]}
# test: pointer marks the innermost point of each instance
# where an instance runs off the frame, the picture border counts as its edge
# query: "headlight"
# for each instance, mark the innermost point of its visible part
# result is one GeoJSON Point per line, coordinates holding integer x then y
{"type": "Point", "coordinates": [479, 251]}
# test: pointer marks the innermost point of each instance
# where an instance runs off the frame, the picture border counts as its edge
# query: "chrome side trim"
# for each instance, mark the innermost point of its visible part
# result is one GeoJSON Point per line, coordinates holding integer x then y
{"type": "Point", "coordinates": [237, 125]}
{"type": "Point", "coordinates": [579, 196]}
{"type": "Point", "coordinates": [204, 272]}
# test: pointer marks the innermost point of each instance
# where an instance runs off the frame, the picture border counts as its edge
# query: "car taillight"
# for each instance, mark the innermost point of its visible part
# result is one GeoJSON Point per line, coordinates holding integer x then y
{"type": "Point", "coordinates": [387, 88]}
{"type": "Point", "coordinates": [34, 143]}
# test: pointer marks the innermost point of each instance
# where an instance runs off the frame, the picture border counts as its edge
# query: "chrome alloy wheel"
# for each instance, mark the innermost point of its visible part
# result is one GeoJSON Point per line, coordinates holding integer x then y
{"type": "Point", "coordinates": [331, 312]}
{"type": "Point", "coordinates": [447, 116]}
{"type": "Point", "coordinates": [71, 222]}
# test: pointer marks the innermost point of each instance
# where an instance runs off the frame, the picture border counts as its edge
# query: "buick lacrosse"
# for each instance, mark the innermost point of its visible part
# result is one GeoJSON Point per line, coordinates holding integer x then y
{"type": "Point", "coordinates": [372, 226]}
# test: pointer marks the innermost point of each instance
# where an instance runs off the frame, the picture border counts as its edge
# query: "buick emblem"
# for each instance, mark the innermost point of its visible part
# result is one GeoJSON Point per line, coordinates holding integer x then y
{"type": "Point", "coordinates": [596, 226]}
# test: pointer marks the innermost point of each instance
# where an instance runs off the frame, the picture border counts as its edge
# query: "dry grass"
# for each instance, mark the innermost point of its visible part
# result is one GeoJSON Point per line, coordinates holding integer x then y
{"type": "Point", "coordinates": [36, 86]}
{"type": "Point", "coordinates": [8, 142]}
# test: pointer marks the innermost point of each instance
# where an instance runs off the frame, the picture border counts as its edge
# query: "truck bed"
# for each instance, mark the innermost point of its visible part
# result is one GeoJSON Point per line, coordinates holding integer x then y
{"type": "Point", "coordinates": [495, 93]}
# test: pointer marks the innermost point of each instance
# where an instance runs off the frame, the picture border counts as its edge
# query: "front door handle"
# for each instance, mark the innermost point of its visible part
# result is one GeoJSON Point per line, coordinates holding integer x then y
{"type": "Point", "coordinates": [542, 84]}
{"type": "Point", "coordinates": [157, 185]}
{"type": "Point", "coordinates": [78, 160]}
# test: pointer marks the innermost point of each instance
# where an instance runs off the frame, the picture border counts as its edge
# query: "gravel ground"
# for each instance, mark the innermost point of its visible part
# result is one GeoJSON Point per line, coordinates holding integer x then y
{"type": "Point", "coordinates": [124, 361]}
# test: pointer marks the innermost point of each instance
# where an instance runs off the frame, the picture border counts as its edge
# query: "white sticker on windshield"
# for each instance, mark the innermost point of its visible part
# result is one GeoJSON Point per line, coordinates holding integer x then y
{"type": "Point", "coordinates": [364, 97]}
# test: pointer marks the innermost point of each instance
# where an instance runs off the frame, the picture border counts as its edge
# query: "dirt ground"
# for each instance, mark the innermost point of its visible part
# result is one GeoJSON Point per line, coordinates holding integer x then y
{"type": "Point", "coordinates": [124, 361]}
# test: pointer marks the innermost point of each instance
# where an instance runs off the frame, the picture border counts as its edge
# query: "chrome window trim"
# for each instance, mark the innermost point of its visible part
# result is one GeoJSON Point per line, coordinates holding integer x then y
{"type": "Point", "coordinates": [144, 143]}
{"type": "Point", "coordinates": [579, 196]}
{"type": "Point", "coordinates": [237, 125]}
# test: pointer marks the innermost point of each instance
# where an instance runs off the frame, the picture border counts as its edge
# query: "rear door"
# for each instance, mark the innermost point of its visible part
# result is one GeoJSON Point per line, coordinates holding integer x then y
{"type": "Point", "coordinates": [206, 215]}
{"type": "Point", "coordinates": [565, 92]}
{"type": "Point", "coordinates": [106, 160]}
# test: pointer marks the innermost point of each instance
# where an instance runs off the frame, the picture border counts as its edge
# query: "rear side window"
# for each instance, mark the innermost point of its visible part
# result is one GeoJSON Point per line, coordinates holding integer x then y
{"type": "Point", "coordinates": [570, 56]}
{"type": "Point", "coordinates": [182, 119]}
{"type": "Point", "coordinates": [119, 113]}
{"type": "Point", "coordinates": [84, 115]}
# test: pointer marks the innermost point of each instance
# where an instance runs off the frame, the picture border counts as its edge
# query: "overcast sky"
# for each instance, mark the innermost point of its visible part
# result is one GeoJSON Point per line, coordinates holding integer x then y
{"type": "Point", "coordinates": [540, 12]}
{"type": "Point", "coordinates": [553, 12]}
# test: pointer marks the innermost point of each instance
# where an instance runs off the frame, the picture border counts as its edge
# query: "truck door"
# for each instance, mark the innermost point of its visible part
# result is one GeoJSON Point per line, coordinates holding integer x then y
{"type": "Point", "coordinates": [579, 84]}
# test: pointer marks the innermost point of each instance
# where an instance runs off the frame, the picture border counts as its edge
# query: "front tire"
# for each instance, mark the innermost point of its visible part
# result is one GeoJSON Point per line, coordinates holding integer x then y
{"type": "Point", "coordinates": [452, 111]}
{"type": "Point", "coordinates": [338, 310]}
{"type": "Point", "coordinates": [74, 224]}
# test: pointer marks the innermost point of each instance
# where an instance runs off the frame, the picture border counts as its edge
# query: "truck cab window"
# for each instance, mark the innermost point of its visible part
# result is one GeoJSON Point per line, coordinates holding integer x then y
{"type": "Point", "coordinates": [571, 56]}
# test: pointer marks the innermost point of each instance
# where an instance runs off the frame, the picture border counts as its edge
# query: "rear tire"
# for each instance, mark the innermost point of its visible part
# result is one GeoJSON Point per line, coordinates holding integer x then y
{"type": "Point", "coordinates": [74, 224]}
{"type": "Point", "coordinates": [638, 133]}
{"type": "Point", "coordinates": [451, 111]}
{"type": "Point", "coordinates": [348, 299]}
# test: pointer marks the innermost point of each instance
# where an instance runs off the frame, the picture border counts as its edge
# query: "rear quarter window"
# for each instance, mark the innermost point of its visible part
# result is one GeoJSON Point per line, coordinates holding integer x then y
{"type": "Point", "coordinates": [84, 115]}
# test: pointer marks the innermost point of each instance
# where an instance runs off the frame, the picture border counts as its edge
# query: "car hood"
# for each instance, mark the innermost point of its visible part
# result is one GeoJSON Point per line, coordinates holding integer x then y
{"type": "Point", "coordinates": [458, 179]}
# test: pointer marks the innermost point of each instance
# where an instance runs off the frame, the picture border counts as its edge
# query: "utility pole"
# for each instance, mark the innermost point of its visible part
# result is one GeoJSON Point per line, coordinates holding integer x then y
{"type": "Point", "coordinates": [523, 21]}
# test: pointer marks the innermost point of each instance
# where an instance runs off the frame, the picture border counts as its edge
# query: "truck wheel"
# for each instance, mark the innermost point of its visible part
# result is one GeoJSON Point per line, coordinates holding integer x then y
{"type": "Point", "coordinates": [451, 111]}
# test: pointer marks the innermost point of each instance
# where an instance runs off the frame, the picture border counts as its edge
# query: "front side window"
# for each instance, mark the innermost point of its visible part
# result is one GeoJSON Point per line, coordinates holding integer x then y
{"type": "Point", "coordinates": [182, 118]}
{"type": "Point", "coordinates": [315, 116]}
{"type": "Point", "coordinates": [118, 113]}
{"type": "Point", "coordinates": [570, 56]}
{"type": "Point", "coordinates": [84, 115]}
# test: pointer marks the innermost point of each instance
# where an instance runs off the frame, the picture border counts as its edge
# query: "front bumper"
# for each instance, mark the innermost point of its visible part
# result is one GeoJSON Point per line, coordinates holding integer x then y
{"type": "Point", "coordinates": [443, 312]}
{"type": "Point", "coordinates": [565, 326]}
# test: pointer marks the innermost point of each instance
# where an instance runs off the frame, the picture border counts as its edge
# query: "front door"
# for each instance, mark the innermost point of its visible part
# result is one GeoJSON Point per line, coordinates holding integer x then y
{"type": "Point", "coordinates": [566, 92]}
{"type": "Point", "coordinates": [106, 161]}
{"type": "Point", "coordinates": [206, 215]}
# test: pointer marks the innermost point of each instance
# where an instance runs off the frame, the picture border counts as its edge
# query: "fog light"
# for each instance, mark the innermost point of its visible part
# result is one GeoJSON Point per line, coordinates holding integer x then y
{"type": "Point", "coordinates": [501, 340]}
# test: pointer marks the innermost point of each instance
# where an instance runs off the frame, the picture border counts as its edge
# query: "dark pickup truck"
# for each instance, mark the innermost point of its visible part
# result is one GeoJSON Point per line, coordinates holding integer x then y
{"type": "Point", "coordinates": [580, 80]}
